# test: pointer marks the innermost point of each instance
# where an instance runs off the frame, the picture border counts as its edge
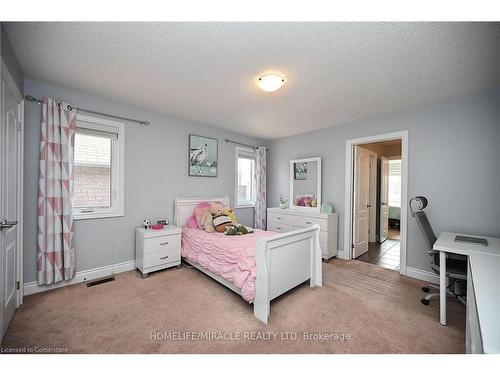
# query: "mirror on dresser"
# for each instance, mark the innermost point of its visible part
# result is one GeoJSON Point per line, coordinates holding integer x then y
{"type": "Point", "coordinates": [305, 184]}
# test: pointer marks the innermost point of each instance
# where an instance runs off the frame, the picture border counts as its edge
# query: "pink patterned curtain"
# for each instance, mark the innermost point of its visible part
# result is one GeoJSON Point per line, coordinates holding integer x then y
{"type": "Point", "coordinates": [55, 252]}
{"type": "Point", "coordinates": [260, 179]}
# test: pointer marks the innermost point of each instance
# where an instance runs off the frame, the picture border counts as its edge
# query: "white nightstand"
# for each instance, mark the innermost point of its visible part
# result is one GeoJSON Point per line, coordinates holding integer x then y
{"type": "Point", "coordinates": [157, 249]}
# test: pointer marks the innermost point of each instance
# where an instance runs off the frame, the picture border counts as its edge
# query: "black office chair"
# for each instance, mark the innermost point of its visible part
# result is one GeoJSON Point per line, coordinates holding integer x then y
{"type": "Point", "coordinates": [456, 265]}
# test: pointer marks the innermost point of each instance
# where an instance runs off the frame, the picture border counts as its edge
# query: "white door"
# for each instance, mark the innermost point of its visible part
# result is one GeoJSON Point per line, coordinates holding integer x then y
{"type": "Point", "coordinates": [361, 201]}
{"type": "Point", "coordinates": [384, 198]}
{"type": "Point", "coordinates": [8, 204]}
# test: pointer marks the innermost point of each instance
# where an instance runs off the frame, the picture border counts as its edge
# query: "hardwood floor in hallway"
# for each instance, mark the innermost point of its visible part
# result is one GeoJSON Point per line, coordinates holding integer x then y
{"type": "Point", "coordinates": [385, 254]}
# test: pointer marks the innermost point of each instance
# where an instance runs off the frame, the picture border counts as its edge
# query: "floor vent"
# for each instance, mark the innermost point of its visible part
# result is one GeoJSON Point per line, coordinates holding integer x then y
{"type": "Point", "coordinates": [100, 281]}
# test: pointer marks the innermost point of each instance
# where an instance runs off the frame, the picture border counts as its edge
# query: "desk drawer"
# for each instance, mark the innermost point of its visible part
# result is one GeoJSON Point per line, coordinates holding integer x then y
{"type": "Point", "coordinates": [162, 243]}
{"type": "Point", "coordinates": [279, 218]}
{"type": "Point", "coordinates": [158, 258]}
{"type": "Point", "coordinates": [304, 222]}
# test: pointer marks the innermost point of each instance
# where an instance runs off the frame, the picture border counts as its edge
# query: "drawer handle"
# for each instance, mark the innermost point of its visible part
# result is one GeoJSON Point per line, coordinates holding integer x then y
{"type": "Point", "coordinates": [165, 257]}
{"type": "Point", "coordinates": [164, 243]}
{"type": "Point", "coordinates": [308, 222]}
{"type": "Point", "coordinates": [278, 218]}
{"type": "Point", "coordinates": [279, 228]}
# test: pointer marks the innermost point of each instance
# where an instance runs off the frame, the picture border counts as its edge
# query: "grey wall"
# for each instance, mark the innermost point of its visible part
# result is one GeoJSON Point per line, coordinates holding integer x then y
{"type": "Point", "coordinates": [454, 160]}
{"type": "Point", "coordinates": [155, 172]}
{"type": "Point", "coordinates": [10, 59]}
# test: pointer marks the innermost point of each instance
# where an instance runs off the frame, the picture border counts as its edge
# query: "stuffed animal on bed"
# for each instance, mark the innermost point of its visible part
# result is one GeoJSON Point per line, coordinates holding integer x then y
{"type": "Point", "coordinates": [219, 217]}
{"type": "Point", "coordinates": [221, 222]}
{"type": "Point", "coordinates": [230, 213]}
{"type": "Point", "coordinates": [204, 214]}
{"type": "Point", "coordinates": [236, 230]}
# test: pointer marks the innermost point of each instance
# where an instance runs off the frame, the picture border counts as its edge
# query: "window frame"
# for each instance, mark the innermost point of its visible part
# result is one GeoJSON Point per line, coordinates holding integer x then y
{"type": "Point", "coordinates": [245, 153]}
{"type": "Point", "coordinates": [117, 208]}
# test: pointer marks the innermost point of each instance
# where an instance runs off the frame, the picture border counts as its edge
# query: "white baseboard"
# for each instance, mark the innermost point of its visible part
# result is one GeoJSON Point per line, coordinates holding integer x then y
{"type": "Point", "coordinates": [422, 275]}
{"type": "Point", "coordinates": [82, 276]}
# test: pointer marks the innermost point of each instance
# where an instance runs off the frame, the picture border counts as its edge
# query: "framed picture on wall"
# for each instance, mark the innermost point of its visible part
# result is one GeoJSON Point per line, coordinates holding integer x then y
{"type": "Point", "coordinates": [300, 171]}
{"type": "Point", "coordinates": [203, 156]}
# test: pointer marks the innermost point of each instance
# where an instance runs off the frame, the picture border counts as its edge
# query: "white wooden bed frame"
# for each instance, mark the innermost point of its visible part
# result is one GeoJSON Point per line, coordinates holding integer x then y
{"type": "Point", "coordinates": [283, 261]}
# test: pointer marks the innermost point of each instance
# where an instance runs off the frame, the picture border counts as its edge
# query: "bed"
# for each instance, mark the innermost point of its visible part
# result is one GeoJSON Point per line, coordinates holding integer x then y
{"type": "Point", "coordinates": [282, 261]}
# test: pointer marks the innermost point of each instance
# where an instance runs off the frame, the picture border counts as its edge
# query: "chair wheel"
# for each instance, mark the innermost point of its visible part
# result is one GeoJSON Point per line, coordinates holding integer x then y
{"type": "Point", "coordinates": [425, 301]}
{"type": "Point", "coordinates": [426, 289]}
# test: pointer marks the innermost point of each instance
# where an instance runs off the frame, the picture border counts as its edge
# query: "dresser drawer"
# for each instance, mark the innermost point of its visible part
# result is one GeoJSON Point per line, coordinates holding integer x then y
{"type": "Point", "coordinates": [278, 227]}
{"type": "Point", "coordinates": [279, 218]}
{"type": "Point", "coordinates": [304, 222]}
{"type": "Point", "coordinates": [157, 258]}
{"type": "Point", "coordinates": [162, 243]}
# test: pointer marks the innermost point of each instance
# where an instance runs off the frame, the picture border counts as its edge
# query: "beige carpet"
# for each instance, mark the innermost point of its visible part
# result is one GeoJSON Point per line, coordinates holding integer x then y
{"type": "Point", "coordinates": [378, 308]}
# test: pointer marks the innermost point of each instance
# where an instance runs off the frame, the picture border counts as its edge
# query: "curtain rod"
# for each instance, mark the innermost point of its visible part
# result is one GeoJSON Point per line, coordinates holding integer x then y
{"type": "Point", "coordinates": [145, 123]}
{"type": "Point", "coordinates": [241, 144]}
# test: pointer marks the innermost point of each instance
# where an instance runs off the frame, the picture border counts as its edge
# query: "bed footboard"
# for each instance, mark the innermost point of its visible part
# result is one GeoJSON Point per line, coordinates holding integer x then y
{"type": "Point", "coordinates": [283, 262]}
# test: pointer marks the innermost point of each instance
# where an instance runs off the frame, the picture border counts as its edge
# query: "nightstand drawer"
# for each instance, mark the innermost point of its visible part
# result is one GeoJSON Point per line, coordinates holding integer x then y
{"type": "Point", "coordinates": [162, 243]}
{"type": "Point", "coordinates": [158, 258]}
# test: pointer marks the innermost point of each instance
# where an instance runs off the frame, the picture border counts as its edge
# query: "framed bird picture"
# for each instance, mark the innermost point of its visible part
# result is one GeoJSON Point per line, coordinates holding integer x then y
{"type": "Point", "coordinates": [203, 156]}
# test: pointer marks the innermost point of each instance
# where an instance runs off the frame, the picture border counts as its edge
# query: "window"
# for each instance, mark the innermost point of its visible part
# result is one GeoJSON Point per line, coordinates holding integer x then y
{"type": "Point", "coordinates": [245, 177]}
{"type": "Point", "coordinates": [395, 183]}
{"type": "Point", "coordinates": [99, 168]}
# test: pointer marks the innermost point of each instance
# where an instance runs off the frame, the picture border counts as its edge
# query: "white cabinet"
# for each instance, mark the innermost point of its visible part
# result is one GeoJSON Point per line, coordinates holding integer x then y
{"type": "Point", "coordinates": [157, 249]}
{"type": "Point", "coordinates": [285, 220]}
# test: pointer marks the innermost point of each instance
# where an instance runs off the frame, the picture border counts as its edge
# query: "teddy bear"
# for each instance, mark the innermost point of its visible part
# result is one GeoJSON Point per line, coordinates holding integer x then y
{"type": "Point", "coordinates": [205, 216]}
{"type": "Point", "coordinates": [219, 217]}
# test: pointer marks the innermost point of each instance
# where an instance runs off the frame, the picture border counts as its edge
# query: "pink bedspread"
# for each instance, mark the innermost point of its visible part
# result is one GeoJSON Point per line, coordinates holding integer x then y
{"type": "Point", "coordinates": [232, 257]}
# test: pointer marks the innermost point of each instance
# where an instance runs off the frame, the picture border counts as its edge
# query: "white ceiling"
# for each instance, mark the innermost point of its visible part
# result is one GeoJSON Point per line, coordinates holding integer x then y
{"type": "Point", "coordinates": [335, 72]}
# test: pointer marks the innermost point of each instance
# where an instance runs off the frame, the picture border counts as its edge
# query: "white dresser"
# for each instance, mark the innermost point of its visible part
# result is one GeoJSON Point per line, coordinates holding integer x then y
{"type": "Point", "coordinates": [157, 249]}
{"type": "Point", "coordinates": [284, 220]}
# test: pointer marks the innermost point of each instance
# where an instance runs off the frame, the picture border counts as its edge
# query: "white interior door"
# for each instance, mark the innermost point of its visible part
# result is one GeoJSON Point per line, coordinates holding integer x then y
{"type": "Point", "coordinates": [8, 203]}
{"type": "Point", "coordinates": [361, 201]}
{"type": "Point", "coordinates": [384, 198]}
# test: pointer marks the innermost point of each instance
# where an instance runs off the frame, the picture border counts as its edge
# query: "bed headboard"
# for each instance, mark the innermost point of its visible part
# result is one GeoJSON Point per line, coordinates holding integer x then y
{"type": "Point", "coordinates": [184, 207]}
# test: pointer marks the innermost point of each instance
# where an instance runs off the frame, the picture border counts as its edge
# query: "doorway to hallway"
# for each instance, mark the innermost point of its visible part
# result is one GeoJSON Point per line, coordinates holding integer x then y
{"type": "Point", "coordinates": [377, 203]}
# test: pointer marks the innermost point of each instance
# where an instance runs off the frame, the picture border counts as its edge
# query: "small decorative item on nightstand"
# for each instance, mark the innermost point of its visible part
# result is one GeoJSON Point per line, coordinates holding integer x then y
{"type": "Point", "coordinates": [157, 249]}
{"type": "Point", "coordinates": [147, 224]}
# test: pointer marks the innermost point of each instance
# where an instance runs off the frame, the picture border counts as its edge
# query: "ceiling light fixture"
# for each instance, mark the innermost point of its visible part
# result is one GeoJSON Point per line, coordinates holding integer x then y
{"type": "Point", "coordinates": [270, 82]}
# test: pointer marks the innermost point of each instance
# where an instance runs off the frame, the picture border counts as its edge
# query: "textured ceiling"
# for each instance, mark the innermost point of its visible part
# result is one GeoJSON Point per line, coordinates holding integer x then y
{"type": "Point", "coordinates": [336, 72]}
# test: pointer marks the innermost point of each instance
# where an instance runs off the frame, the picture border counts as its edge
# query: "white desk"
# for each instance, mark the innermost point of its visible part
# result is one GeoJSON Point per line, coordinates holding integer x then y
{"type": "Point", "coordinates": [484, 264]}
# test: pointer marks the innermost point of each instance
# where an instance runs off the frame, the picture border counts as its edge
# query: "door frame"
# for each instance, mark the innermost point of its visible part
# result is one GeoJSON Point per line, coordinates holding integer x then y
{"type": "Point", "coordinates": [349, 196]}
{"type": "Point", "coordinates": [9, 80]}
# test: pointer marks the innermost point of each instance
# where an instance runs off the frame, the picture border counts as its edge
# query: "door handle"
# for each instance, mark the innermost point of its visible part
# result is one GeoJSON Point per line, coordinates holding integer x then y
{"type": "Point", "coordinates": [7, 224]}
{"type": "Point", "coordinates": [368, 205]}
{"type": "Point", "coordinates": [383, 204]}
